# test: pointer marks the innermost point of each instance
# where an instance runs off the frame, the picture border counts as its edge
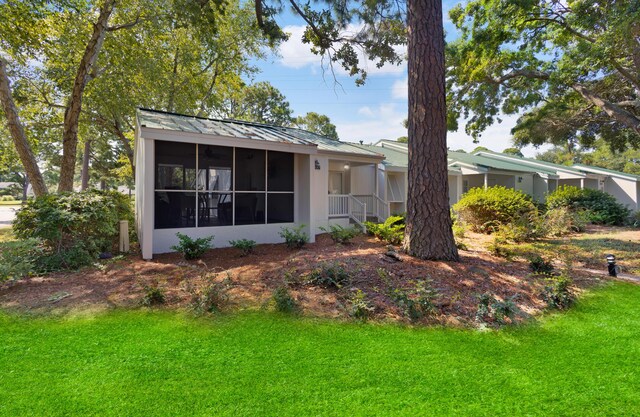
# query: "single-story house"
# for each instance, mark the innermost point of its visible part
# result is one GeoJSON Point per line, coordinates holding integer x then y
{"type": "Point", "coordinates": [236, 179]}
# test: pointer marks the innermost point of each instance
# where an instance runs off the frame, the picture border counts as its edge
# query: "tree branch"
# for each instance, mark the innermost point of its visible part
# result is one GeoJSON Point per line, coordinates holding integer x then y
{"type": "Point", "coordinates": [613, 110]}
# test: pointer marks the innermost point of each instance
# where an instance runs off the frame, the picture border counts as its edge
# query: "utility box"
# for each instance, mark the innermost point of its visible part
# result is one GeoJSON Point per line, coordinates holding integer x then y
{"type": "Point", "coordinates": [124, 236]}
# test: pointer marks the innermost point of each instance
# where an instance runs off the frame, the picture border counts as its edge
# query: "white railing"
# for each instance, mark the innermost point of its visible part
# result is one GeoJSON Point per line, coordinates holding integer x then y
{"type": "Point", "coordinates": [358, 211]}
{"type": "Point", "coordinates": [338, 205]}
{"type": "Point", "coordinates": [382, 208]}
{"type": "Point", "coordinates": [376, 207]}
{"type": "Point", "coordinates": [368, 200]}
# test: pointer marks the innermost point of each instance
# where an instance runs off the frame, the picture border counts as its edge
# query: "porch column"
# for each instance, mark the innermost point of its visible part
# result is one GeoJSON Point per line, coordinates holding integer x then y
{"type": "Point", "coordinates": [375, 173]}
{"type": "Point", "coordinates": [459, 187]}
{"type": "Point", "coordinates": [582, 183]}
{"type": "Point", "coordinates": [486, 180]}
{"type": "Point", "coordinates": [148, 199]}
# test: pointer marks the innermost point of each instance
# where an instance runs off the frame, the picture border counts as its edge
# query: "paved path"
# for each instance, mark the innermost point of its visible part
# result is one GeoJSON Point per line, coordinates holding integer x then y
{"type": "Point", "coordinates": [7, 214]}
{"type": "Point", "coordinates": [621, 277]}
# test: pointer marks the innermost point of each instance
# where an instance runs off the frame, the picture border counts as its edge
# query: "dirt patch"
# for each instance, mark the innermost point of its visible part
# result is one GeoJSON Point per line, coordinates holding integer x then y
{"type": "Point", "coordinates": [252, 279]}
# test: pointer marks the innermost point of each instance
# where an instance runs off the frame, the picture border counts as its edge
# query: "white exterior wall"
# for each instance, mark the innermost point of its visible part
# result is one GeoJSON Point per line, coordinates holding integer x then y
{"type": "Point", "coordinates": [540, 188]}
{"type": "Point", "coordinates": [319, 191]}
{"type": "Point", "coordinates": [625, 191]}
{"type": "Point", "coordinates": [526, 185]}
{"type": "Point", "coordinates": [454, 192]}
{"type": "Point", "coordinates": [363, 179]}
{"type": "Point", "coordinates": [574, 182]}
{"type": "Point", "coordinates": [591, 183]}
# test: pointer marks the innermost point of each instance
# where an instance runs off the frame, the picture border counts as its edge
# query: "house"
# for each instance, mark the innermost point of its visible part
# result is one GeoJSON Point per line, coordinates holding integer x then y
{"type": "Point", "coordinates": [236, 179]}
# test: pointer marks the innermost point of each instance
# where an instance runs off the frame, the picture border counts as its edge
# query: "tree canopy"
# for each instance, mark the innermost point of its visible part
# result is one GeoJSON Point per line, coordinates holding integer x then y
{"type": "Point", "coordinates": [317, 123]}
{"type": "Point", "coordinates": [572, 67]}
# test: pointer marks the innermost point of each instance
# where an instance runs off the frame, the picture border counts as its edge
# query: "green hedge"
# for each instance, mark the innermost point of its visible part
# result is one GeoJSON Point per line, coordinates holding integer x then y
{"type": "Point", "coordinates": [485, 210]}
{"type": "Point", "coordinates": [600, 207]}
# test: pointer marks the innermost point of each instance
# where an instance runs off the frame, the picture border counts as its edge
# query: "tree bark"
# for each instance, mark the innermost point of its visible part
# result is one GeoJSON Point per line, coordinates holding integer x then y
{"type": "Point", "coordinates": [85, 165]}
{"type": "Point", "coordinates": [428, 232]}
{"type": "Point", "coordinates": [74, 106]}
{"type": "Point", "coordinates": [18, 135]}
{"type": "Point", "coordinates": [612, 110]}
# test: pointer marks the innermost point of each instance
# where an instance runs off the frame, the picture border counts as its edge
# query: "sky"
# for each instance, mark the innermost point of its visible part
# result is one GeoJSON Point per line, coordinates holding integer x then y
{"type": "Point", "coordinates": [367, 113]}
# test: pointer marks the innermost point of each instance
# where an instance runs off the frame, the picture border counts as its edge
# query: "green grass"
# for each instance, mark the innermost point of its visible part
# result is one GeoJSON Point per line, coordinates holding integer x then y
{"type": "Point", "coordinates": [6, 234]}
{"type": "Point", "coordinates": [256, 364]}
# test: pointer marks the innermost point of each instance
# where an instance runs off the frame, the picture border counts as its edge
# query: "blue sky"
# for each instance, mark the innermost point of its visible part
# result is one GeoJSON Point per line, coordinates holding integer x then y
{"type": "Point", "coordinates": [368, 113]}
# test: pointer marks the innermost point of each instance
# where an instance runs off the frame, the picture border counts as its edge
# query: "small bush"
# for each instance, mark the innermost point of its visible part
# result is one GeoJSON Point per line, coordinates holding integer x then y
{"type": "Point", "coordinates": [417, 302]}
{"type": "Point", "coordinates": [73, 228]}
{"type": "Point", "coordinates": [602, 208]}
{"type": "Point", "coordinates": [538, 265]}
{"type": "Point", "coordinates": [153, 295]}
{"type": "Point", "coordinates": [484, 210]}
{"type": "Point", "coordinates": [283, 301]}
{"type": "Point", "coordinates": [561, 221]}
{"type": "Point", "coordinates": [491, 310]}
{"type": "Point", "coordinates": [20, 259]}
{"type": "Point", "coordinates": [210, 297]}
{"type": "Point", "coordinates": [341, 234]}
{"type": "Point", "coordinates": [192, 248]}
{"type": "Point", "coordinates": [295, 238]}
{"type": "Point", "coordinates": [330, 275]}
{"type": "Point", "coordinates": [246, 246]}
{"type": "Point", "coordinates": [634, 219]}
{"type": "Point", "coordinates": [498, 247]}
{"type": "Point", "coordinates": [360, 308]}
{"type": "Point", "coordinates": [557, 293]}
{"type": "Point", "coordinates": [391, 231]}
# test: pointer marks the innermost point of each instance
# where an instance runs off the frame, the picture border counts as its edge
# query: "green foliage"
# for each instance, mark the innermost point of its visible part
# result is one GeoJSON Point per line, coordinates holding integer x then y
{"type": "Point", "coordinates": [360, 308]}
{"type": "Point", "coordinates": [192, 248]}
{"type": "Point", "coordinates": [498, 247]}
{"type": "Point", "coordinates": [330, 275]}
{"type": "Point", "coordinates": [153, 295]}
{"type": "Point", "coordinates": [557, 292]}
{"type": "Point", "coordinates": [341, 234]}
{"type": "Point", "coordinates": [73, 227]}
{"type": "Point", "coordinates": [539, 265]}
{"type": "Point", "coordinates": [246, 246]}
{"type": "Point", "coordinates": [602, 208]}
{"type": "Point", "coordinates": [260, 102]}
{"type": "Point", "coordinates": [490, 310]}
{"type": "Point", "coordinates": [295, 238]}
{"type": "Point", "coordinates": [391, 231]}
{"type": "Point", "coordinates": [20, 258]}
{"type": "Point", "coordinates": [210, 297]}
{"type": "Point", "coordinates": [416, 302]}
{"type": "Point", "coordinates": [317, 123]}
{"type": "Point", "coordinates": [561, 221]}
{"type": "Point", "coordinates": [283, 301]}
{"type": "Point", "coordinates": [484, 210]}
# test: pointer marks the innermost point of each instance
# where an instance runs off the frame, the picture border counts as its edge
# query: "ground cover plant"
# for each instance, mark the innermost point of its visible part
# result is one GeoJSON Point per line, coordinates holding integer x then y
{"type": "Point", "coordinates": [192, 248]}
{"type": "Point", "coordinates": [145, 362]}
{"type": "Point", "coordinates": [341, 234]}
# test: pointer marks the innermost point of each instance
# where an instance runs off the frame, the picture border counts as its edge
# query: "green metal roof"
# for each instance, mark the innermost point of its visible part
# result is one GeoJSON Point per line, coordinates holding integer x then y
{"type": "Point", "coordinates": [528, 161]}
{"type": "Point", "coordinates": [393, 158]}
{"type": "Point", "coordinates": [597, 170]}
{"type": "Point", "coordinates": [240, 129]}
{"type": "Point", "coordinates": [492, 163]}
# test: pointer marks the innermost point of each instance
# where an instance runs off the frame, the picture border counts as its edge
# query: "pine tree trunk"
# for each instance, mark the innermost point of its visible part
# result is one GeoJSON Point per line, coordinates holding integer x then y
{"type": "Point", "coordinates": [18, 135]}
{"type": "Point", "coordinates": [72, 113]}
{"type": "Point", "coordinates": [85, 165]}
{"type": "Point", "coordinates": [428, 229]}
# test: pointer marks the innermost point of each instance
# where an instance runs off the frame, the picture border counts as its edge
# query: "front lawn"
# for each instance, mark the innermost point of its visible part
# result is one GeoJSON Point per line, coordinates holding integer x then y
{"type": "Point", "coordinates": [147, 363]}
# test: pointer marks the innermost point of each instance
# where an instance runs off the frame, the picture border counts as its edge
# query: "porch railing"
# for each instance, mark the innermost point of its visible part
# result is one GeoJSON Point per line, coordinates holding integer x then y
{"type": "Point", "coordinates": [358, 211]}
{"type": "Point", "coordinates": [347, 205]}
{"type": "Point", "coordinates": [376, 206]}
{"type": "Point", "coordinates": [338, 205]}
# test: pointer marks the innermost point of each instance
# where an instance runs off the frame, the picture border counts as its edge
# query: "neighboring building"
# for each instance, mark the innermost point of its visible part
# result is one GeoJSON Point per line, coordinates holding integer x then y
{"type": "Point", "coordinates": [237, 180]}
{"type": "Point", "coordinates": [624, 187]}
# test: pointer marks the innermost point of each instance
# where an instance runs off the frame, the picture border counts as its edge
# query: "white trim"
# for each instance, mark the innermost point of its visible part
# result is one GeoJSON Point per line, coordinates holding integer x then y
{"type": "Point", "coordinates": [595, 170]}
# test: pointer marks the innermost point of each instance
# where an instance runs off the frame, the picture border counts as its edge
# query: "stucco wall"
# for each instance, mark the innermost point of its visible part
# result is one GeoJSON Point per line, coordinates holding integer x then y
{"type": "Point", "coordinates": [625, 191]}
{"type": "Point", "coordinates": [540, 188]}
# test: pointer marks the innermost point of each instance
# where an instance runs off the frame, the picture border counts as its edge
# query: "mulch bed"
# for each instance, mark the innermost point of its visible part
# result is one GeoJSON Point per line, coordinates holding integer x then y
{"type": "Point", "coordinates": [252, 279]}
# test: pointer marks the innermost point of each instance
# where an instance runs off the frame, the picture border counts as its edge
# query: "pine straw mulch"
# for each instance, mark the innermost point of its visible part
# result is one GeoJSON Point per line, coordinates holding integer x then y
{"type": "Point", "coordinates": [251, 280]}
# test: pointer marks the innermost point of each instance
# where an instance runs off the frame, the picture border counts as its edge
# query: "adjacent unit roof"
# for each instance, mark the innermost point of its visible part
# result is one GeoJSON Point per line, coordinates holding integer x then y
{"type": "Point", "coordinates": [393, 157]}
{"type": "Point", "coordinates": [155, 119]}
{"type": "Point", "coordinates": [598, 170]}
{"type": "Point", "coordinates": [492, 163]}
{"type": "Point", "coordinates": [530, 161]}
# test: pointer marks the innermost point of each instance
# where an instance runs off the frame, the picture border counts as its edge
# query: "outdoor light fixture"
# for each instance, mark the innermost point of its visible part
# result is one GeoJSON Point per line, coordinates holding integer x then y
{"type": "Point", "coordinates": [317, 164]}
{"type": "Point", "coordinates": [519, 179]}
{"type": "Point", "coordinates": [611, 264]}
{"type": "Point", "coordinates": [346, 166]}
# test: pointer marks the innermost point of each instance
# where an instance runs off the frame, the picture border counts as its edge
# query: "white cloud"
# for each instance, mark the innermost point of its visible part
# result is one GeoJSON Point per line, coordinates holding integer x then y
{"type": "Point", "coordinates": [366, 111]}
{"type": "Point", "coordinates": [295, 54]}
{"type": "Point", "coordinates": [400, 89]}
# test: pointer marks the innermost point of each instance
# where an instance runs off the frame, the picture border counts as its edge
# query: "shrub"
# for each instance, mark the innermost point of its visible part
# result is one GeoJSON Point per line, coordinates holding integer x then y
{"type": "Point", "coordinates": [560, 221]}
{"type": "Point", "coordinates": [360, 308]}
{"type": "Point", "coordinates": [486, 209]}
{"type": "Point", "coordinates": [192, 248]}
{"type": "Point", "coordinates": [153, 295]}
{"type": "Point", "coordinates": [391, 231]}
{"type": "Point", "coordinates": [20, 259]}
{"type": "Point", "coordinates": [557, 292]}
{"type": "Point", "coordinates": [73, 227]}
{"type": "Point", "coordinates": [295, 238]}
{"type": "Point", "coordinates": [341, 234]}
{"type": "Point", "coordinates": [498, 247]}
{"type": "Point", "coordinates": [602, 208]}
{"type": "Point", "coordinates": [523, 229]}
{"type": "Point", "coordinates": [539, 266]}
{"type": "Point", "coordinates": [246, 246]}
{"type": "Point", "coordinates": [492, 310]}
{"type": "Point", "coordinates": [330, 275]}
{"type": "Point", "coordinates": [634, 219]}
{"type": "Point", "coordinates": [283, 300]}
{"type": "Point", "coordinates": [417, 302]}
{"type": "Point", "coordinates": [210, 297]}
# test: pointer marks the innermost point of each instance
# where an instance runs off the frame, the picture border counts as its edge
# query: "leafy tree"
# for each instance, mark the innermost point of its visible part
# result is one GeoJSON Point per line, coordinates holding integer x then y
{"type": "Point", "coordinates": [338, 31]}
{"type": "Point", "coordinates": [317, 123]}
{"type": "Point", "coordinates": [514, 151]}
{"type": "Point", "coordinates": [260, 102]}
{"type": "Point", "coordinates": [480, 148]}
{"type": "Point", "coordinates": [572, 67]}
{"type": "Point", "coordinates": [403, 139]}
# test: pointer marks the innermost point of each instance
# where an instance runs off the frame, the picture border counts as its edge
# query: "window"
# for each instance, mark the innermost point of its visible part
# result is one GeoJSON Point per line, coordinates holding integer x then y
{"type": "Point", "coordinates": [206, 185]}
